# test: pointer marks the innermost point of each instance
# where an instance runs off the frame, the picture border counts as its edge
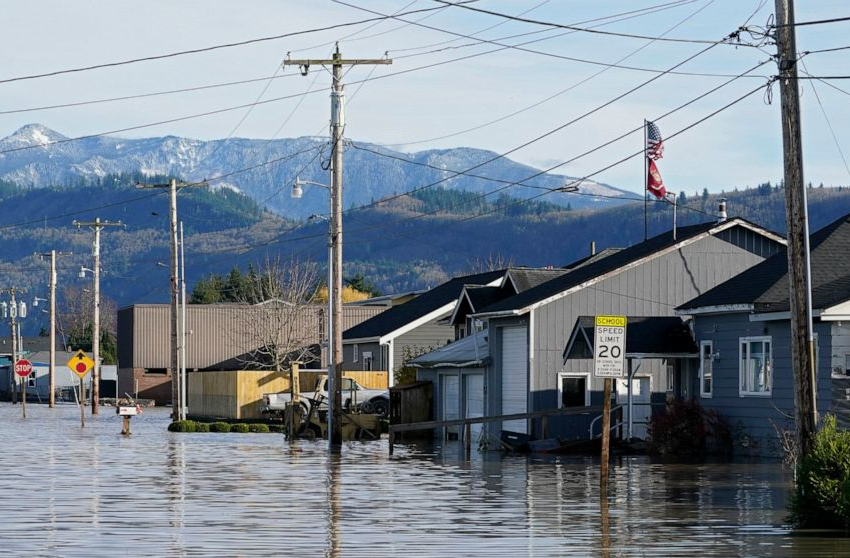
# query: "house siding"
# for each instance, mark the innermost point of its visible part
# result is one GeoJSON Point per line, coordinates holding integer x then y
{"type": "Point", "coordinates": [653, 288]}
{"type": "Point", "coordinates": [421, 340]}
{"type": "Point", "coordinates": [754, 420]}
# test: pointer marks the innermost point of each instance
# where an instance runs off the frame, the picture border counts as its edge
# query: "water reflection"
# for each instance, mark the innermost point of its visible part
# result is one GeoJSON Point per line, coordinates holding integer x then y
{"type": "Point", "coordinates": [91, 492]}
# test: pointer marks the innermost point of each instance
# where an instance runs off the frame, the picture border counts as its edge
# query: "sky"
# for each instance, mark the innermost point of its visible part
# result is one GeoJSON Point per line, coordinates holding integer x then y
{"type": "Point", "coordinates": [443, 90]}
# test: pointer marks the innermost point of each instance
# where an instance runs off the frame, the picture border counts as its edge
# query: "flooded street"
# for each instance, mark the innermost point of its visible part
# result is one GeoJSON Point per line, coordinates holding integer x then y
{"type": "Point", "coordinates": [68, 491]}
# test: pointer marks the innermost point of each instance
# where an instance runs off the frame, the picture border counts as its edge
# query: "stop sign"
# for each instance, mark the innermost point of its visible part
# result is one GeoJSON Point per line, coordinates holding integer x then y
{"type": "Point", "coordinates": [23, 368]}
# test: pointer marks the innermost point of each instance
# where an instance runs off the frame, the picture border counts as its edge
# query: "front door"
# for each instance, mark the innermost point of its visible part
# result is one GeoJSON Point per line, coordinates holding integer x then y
{"type": "Point", "coordinates": [474, 394]}
{"type": "Point", "coordinates": [641, 404]}
{"type": "Point", "coordinates": [451, 404]}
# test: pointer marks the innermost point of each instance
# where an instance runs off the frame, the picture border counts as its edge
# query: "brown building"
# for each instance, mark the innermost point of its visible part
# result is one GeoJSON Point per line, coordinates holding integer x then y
{"type": "Point", "coordinates": [221, 337]}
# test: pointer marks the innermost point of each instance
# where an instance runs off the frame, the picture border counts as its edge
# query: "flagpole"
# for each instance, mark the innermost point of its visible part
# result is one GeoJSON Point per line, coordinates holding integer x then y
{"type": "Point", "coordinates": [675, 206]}
{"type": "Point", "coordinates": [645, 183]}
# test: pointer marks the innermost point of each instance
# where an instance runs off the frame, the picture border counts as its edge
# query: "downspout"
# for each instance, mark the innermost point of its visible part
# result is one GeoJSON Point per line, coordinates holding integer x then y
{"type": "Point", "coordinates": [528, 402]}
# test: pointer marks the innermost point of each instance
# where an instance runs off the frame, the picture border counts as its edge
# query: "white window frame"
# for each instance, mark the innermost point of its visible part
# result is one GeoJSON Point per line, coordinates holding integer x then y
{"type": "Point", "coordinates": [367, 360]}
{"type": "Point", "coordinates": [563, 375]}
{"type": "Point", "coordinates": [702, 344]}
{"type": "Point", "coordinates": [745, 341]}
{"type": "Point", "coordinates": [31, 379]}
{"type": "Point", "coordinates": [355, 352]}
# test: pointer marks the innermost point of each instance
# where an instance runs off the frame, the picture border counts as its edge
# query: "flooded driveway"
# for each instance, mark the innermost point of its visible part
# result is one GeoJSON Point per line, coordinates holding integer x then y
{"type": "Point", "coordinates": [68, 491]}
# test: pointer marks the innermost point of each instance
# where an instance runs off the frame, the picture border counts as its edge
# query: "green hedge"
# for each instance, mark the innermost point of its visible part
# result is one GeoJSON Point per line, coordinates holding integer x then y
{"type": "Point", "coordinates": [182, 426]}
{"type": "Point", "coordinates": [822, 496]}
{"type": "Point", "coordinates": [220, 427]}
{"type": "Point", "coordinates": [239, 427]}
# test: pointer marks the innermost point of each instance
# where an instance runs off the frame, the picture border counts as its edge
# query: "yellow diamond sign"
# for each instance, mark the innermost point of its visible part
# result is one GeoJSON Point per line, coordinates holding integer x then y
{"type": "Point", "coordinates": [80, 363]}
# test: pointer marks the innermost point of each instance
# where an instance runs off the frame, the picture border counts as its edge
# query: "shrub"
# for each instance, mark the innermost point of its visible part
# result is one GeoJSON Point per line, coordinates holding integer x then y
{"type": "Point", "coordinates": [182, 426]}
{"type": "Point", "coordinates": [202, 427]}
{"type": "Point", "coordinates": [686, 429]}
{"type": "Point", "coordinates": [259, 428]}
{"type": "Point", "coordinates": [240, 427]}
{"type": "Point", "coordinates": [822, 495]}
{"type": "Point", "coordinates": [277, 428]}
{"type": "Point", "coordinates": [219, 427]}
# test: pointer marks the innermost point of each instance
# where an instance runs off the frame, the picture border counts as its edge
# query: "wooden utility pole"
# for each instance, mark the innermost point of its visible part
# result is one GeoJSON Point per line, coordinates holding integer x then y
{"type": "Point", "coordinates": [96, 225]}
{"type": "Point", "coordinates": [796, 216]}
{"type": "Point", "coordinates": [13, 323]}
{"type": "Point", "coordinates": [173, 187]}
{"type": "Point", "coordinates": [52, 282]}
{"type": "Point", "coordinates": [337, 127]}
{"type": "Point", "coordinates": [605, 456]}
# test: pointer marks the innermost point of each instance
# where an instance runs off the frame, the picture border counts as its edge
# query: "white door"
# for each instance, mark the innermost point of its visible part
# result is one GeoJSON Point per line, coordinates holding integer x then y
{"type": "Point", "coordinates": [451, 403]}
{"type": "Point", "coordinates": [474, 394]}
{"type": "Point", "coordinates": [515, 376]}
{"type": "Point", "coordinates": [641, 407]}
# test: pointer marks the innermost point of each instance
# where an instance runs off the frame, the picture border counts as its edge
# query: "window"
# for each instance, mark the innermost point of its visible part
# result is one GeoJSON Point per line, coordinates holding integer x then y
{"type": "Point", "coordinates": [573, 391]}
{"type": "Point", "coordinates": [706, 371]}
{"type": "Point", "coordinates": [355, 351]}
{"type": "Point", "coordinates": [367, 360]}
{"type": "Point", "coordinates": [31, 379]}
{"type": "Point", "coordinates": [756, 369]}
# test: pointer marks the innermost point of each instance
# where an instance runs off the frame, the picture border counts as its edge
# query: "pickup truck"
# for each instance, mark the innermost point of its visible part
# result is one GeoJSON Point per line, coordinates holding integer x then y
{"type": "Point", "coordinates": [353, 396]}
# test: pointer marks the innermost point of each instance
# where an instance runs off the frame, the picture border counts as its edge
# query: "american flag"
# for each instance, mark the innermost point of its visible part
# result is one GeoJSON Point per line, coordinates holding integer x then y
{"type": "Point", "coordinates": [654, 143]}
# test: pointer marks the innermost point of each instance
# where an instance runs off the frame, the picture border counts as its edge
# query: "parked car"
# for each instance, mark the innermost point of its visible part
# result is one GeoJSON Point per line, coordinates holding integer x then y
{"type": "Point", "coordinates": [354, 396]}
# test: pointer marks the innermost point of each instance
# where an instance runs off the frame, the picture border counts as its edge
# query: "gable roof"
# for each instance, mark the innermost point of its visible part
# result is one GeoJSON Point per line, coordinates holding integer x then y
{"type": "Point", "coordinates": [613, 262]}
{"type": "Point", "coordinates": [472, 350]}
{"type": "Point", "coordinates": [524, 278]}
{"type": "Point", "coordinates": [648, 337]}
{"type": "Point", "coordinates": [765, 287]}
{"type": "Point", "coordinates": [395, 318]}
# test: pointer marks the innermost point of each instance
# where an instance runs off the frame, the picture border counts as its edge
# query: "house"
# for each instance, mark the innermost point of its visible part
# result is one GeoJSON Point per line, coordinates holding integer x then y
{"type": "Point", "coordinates": [744, 334]}
{"type": "Point", "coordinates": [528, 332]}
{"type": "Point", "coordinates": [220, 337]}
{"type": "Point", "coordinates": [388, 340]}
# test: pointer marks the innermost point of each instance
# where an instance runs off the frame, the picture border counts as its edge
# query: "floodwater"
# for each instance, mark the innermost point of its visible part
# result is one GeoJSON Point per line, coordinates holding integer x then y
{"type": "Point", "coordinates": [71, 491]}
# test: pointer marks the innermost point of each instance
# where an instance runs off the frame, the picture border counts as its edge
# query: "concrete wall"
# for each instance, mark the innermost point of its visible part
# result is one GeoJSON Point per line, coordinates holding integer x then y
{"type": "Point", "coordinates": [754, 419]}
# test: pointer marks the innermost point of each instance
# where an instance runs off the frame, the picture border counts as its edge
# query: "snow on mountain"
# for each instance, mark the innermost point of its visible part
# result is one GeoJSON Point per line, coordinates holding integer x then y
{"type": "Point", "coordinates": [37, 156]}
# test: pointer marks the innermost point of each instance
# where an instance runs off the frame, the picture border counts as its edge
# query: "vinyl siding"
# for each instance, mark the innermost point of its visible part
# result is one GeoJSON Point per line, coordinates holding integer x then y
{"type": "Point", "coordinates": [653, 288]}
{"type": "Point", "coordinates": [427, 336]}
{"type": "Point", "coordinates": [753, 419]}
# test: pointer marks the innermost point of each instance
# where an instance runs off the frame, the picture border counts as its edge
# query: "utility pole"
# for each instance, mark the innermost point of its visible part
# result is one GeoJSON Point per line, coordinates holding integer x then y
{"type": "Point", "coordinates": [52, 370]}
{"type": "Point", "coordinates": [95, 225]}
{"type": "Point", "coordinates": [13, 323]}
{"type": "Point", "coordinates": [337, 128]}
{"type": "Point", "coordinates": [175, 289]}
{"type": "Point", "coordinates": [796, 216]}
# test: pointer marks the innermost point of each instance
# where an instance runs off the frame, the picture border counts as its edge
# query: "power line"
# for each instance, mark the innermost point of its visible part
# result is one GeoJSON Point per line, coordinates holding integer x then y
{"type": "Point", "coordinates": [210, 48]}
{"type": "Point", "coordinates": [828, 123]}
{"type": "Point", "coordinates": [582, 29]}
{"type": "Point", "coordinates": [803, 23]}
{"type": "Point", "coordinates": [520, 46]}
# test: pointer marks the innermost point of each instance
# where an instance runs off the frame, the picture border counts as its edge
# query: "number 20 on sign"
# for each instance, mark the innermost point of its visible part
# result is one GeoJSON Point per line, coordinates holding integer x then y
{"type": "Point", "coordinates": [609, 347]}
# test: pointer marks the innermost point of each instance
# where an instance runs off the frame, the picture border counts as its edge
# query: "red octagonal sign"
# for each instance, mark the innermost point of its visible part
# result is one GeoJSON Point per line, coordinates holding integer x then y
{"type": "Point", "coordinates": [23, 368]}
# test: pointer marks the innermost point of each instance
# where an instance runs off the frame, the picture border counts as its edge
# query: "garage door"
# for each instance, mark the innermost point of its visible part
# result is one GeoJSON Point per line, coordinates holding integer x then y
{"type": "Point", "coordinates": [451, 403]}
{"type": "Point", "coordinates": [474, 393]}
{"type": "Point", "coordinates": [515, 376]}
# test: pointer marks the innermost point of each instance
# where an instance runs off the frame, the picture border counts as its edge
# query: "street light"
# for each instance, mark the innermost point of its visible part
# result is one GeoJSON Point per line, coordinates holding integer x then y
{"type": "Point", "coordinates": [334, 299]}
{"type": "Point", "coordinates": [95, 378]}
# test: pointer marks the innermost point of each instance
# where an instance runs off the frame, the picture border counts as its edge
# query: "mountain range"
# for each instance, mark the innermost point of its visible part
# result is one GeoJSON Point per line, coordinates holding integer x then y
{"type": "Point", "coordinates": [264, 170]}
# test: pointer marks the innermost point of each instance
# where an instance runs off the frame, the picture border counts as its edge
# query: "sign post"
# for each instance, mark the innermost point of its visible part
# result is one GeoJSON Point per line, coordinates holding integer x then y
{"type": "Point", "coordinates": [80, 364]}
{"type": "Point", "coordinates": [609, 357]}
{"type": "Point", "coordinates": [23, 368]}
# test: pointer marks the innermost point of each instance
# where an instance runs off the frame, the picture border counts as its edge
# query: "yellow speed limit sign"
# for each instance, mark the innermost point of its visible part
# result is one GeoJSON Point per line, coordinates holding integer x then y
{"type": "Point", "coordinates": [609, 347]}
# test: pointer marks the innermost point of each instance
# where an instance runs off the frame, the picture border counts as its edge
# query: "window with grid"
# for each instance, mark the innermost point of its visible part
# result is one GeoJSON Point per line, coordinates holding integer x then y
{"type": "Point", "coordinates": [756, 367]}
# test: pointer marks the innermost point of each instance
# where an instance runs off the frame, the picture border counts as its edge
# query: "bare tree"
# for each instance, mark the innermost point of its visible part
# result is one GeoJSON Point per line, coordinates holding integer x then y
{"type": "Point", "coordinates": [76, 315]}
{"type": "Point", "coordinates": [493, 262]}
{"type": "Point", "coordinates": [279, 322]}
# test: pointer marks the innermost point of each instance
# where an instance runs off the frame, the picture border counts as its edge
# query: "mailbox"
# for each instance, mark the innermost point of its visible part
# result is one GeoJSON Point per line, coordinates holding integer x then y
{"type": "Point", "coordinates": [128, 410]}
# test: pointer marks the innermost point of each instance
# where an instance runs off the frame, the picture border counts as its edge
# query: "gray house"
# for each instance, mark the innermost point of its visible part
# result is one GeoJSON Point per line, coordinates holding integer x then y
{"type": "Point", "coordinates": [420, 325]}
{"type": "Point", "coordinates": [528, 332]}
{"type": "Point", "coordinates": [743, 330]}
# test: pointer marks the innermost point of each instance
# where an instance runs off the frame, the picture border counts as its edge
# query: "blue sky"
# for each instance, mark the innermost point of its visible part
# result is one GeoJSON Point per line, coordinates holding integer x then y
{"type": "Point", "coordinates": [739, 147]}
